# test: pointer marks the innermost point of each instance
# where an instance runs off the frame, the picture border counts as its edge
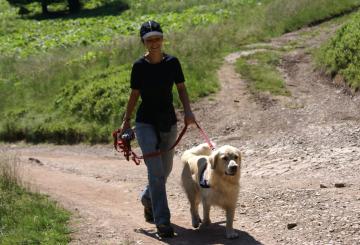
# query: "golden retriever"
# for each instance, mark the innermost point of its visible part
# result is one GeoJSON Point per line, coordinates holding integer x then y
{"type": "Point", "coordinates": [213, 179]}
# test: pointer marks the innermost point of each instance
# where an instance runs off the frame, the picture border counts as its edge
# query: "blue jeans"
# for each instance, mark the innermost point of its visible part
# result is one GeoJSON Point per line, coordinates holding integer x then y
{"type": "Point", "coordinates": [158, 168]}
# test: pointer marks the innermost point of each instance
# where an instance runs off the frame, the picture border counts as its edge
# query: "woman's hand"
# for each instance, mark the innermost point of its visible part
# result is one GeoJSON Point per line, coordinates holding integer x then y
{"type": "Point", "coordinates": [189, 118]}
{"type": "Point", "coordinates": [125, 125]}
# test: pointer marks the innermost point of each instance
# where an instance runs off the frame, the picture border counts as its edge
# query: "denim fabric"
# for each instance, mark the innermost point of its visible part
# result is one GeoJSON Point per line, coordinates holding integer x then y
{"type": "Point", "coordinates": [158, 168]}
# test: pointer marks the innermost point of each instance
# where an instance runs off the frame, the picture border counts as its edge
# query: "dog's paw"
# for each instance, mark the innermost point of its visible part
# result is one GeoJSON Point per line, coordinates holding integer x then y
{"type": "Point", "coordinates": [205, 223]}
{"type": "Point", "coordinates": [231, 234]}
{"type": "Point", "coordinates": [196, 221]}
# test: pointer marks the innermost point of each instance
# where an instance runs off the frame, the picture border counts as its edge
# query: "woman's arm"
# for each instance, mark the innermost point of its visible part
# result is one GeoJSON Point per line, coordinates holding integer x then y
{"type": "Point", "coordinates": [133, 98]}
{"type": "Point", "coordinates": [189, 117]}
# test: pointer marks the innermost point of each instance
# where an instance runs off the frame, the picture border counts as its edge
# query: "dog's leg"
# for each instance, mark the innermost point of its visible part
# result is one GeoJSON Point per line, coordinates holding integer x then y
{"type": "Point", "coordinates": [194, 209]}
{"type": "Point", "coordinates": [193, 195]}
{"type": "Point", "coordinates": [230, 232]}
{"type": "Point", "coordinates": [206, 214]}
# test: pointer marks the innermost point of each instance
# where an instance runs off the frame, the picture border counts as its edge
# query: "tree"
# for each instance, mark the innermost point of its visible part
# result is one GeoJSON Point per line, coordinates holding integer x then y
{"type": "Point", "coordinates": [74, 5]}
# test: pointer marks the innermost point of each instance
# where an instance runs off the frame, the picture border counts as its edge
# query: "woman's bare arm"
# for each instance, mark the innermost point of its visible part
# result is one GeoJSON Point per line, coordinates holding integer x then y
{"type": "Point", "coordinates": [133, 98]}
{"type": "Point", "coordinates": [189, 117]}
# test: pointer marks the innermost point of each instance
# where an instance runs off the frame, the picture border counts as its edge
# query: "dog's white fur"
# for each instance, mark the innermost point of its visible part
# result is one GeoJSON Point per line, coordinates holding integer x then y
{"type": "Point", "coordinates": [222, 173]}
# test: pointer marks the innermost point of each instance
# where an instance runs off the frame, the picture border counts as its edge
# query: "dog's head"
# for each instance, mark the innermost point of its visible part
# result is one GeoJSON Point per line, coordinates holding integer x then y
{"type": "Point", "coordinates": [226, 160]}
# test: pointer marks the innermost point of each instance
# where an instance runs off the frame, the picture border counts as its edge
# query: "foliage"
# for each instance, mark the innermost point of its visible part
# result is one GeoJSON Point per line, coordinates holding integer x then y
{"type": "Point", "coordinates": [68, 82]}
{"type": "Point", "coordinates": [97, 99]}
{"type": "Point", "coordinates": [260, 69]}
{"type": "Point", "coordinates": [9, 173]}
{"type": "Point", "coordinates": [285, 15]}
{"type": "Point", "coordinates": [73, 5]}
{"type": "Point", "coordinates": [341, 55]}
{"type": "Point", "coordinates": [25, 2]}
{"type": "Point", "coordinates": [27, 218]}
{"type": "Point", "coordinates": [141, 7]}
{"type": "Point", "coordinates": [25, 37]}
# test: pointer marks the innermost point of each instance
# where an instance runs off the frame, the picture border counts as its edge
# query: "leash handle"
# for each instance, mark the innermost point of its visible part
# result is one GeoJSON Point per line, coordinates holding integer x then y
{"type": "Point", "coordinates": [124, 147]}
{"type": "Point", "coordinates": [126, 150]}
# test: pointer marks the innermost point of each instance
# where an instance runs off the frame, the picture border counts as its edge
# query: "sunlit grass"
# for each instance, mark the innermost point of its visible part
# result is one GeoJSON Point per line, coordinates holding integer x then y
{"type": "Point", "coordinates": [340, 56]}
{"type": "Point", "coordinates": [27, 218]}
{"type": "Point", "coordinates": [30, 88]}
{"type": "Point", "coordinates": [260, 70]}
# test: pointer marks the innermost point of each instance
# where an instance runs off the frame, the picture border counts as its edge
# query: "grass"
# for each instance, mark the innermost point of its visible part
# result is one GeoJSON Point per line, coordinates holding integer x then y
{"type": "Point", "coordinates": [50, 96]}
{"type": "Point", "coordinates": [96, 25]}
{"type": "Point", "coordinates": [260, 69]}
{"type": "Point", "coordinates": [340, 56]}
{"type": "Point", "coordinates": [285, 16]}
{"type": "Point", "coordinates": [27, 218]}
{"type": "Point", "coordinates": [63, 69]}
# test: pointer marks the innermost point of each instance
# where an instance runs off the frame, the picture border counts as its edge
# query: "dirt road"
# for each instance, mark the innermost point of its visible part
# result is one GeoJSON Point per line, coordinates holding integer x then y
{"type": "Point", "coordinates": [300, 182]}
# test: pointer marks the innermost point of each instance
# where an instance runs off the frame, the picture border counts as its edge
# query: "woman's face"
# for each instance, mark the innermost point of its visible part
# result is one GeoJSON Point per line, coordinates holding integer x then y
{"type": "Point", "coordinates": [153, 44]}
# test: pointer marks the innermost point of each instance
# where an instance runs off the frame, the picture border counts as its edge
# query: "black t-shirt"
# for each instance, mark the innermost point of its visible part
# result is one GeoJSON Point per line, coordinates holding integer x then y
{"type": "Point", "coordinates": [155, 83]}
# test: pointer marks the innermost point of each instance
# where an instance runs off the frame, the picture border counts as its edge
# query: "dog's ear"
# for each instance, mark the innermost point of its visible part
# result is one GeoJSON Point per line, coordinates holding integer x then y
{"type": "Point", "coordinates": [214, 159]}
{"type": "Point", "coordinates": [239, 155]}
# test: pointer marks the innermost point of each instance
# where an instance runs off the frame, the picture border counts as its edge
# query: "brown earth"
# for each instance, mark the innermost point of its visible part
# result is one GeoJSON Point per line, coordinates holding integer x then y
{"type": "Point", "coordinates": [298, 152]}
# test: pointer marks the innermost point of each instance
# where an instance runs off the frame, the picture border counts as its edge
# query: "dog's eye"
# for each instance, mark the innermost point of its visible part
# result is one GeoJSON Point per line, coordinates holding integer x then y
{"type": "Point", "coordinates": [236, 157]}
{"type": "Point", "coordinates": [225, 158]}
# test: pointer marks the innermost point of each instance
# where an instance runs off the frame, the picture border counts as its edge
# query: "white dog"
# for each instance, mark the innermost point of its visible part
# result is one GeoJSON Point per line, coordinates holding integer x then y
{"type": "Point", "coordinates": [213, 179]}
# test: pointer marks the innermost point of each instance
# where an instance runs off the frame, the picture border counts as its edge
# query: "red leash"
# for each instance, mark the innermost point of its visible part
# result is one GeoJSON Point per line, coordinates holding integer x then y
{"type": "Point", "coordinates": [124, 146]}
{"type": "Point", "coordinates": [208, 141]}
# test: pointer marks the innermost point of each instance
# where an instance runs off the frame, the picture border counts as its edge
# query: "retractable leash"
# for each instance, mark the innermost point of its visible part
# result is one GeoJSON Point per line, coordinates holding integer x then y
{"type": "Point", "coordinates": [122, 144]}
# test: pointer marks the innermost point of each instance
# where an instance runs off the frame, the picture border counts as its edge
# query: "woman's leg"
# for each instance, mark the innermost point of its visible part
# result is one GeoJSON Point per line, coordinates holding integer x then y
{"type": "Point", "coordinates": [167, 141]}
{"type": "Point", "coordinates": [156, 192]}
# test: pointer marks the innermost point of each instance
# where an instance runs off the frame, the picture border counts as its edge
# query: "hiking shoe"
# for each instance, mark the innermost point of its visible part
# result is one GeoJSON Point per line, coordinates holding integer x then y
{"type": "Point", "coordinates": [148, 215]}
{"type": "Point", "coordinates": [165, 231]}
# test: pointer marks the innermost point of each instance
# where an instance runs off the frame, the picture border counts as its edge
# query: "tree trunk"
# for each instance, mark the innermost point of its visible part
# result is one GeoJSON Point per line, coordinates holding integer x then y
{"type": "Point", "coordinates": [44, 7]}
{"type": "Point", "coordinates": [74, 6]}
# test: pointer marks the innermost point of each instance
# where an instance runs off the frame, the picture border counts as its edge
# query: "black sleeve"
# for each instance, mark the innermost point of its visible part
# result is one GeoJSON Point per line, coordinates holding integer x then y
{"type": "Point", "coordinates": [135, 77]}
{"type": "Point", "coordinates": [178, 73]}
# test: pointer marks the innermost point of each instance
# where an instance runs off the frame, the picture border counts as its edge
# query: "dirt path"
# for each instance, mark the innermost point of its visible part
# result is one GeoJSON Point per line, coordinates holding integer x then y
{"type": "Point", "coordinates": [291, 146]}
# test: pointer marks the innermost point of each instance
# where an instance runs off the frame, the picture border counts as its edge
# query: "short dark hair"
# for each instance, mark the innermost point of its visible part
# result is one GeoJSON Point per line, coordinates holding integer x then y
{"type": "Point", "coordinates": [150, 28]}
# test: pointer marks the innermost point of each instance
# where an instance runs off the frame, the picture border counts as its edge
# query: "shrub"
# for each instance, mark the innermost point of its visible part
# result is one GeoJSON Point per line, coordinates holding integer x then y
{"type": "Point", "coordinates": [341, 55]}
{"type": "Point", "coordinates": [74, 5]}
{"type": "Point", "coordinates": [285, 15]}
{"type": "Point", "coordinates": [100, 98]}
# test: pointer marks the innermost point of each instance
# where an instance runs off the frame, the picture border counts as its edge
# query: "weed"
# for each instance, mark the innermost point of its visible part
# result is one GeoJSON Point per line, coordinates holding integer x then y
{"type": "Point", "coordinates": [27, 218]}
{"type": "Point", "coordinates": [341, 55]}
{"type": "Point", "coordinates": [261, 71]}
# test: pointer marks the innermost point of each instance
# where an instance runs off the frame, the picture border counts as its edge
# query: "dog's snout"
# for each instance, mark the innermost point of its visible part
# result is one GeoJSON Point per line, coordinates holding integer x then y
{"type": "Point", "coordinates": [233, 167]}
{"type": "Point", "coordinates": [233, 164]}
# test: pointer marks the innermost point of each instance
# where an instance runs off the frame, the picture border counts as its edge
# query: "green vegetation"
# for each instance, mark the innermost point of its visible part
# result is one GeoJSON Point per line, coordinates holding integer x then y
{"type": "Point", "coordinates": [93, 27]}
{"type": "Point", "coordinates": [260, 70]}
{"type": "Point", "coordinates": [73, 5]}
{"type": "Point", "coordinates": [27, 218]}
{"type": "Point", "coordinates": [65, 79]}
{"type": "Point", "coordinates": [285, 16]}
{"type": "Point", "coordinates": [341, 55]}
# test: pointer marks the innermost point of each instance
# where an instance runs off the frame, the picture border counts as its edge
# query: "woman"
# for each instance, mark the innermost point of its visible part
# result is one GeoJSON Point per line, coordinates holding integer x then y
{"type": "Point", "coordinates": [152, 78]}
